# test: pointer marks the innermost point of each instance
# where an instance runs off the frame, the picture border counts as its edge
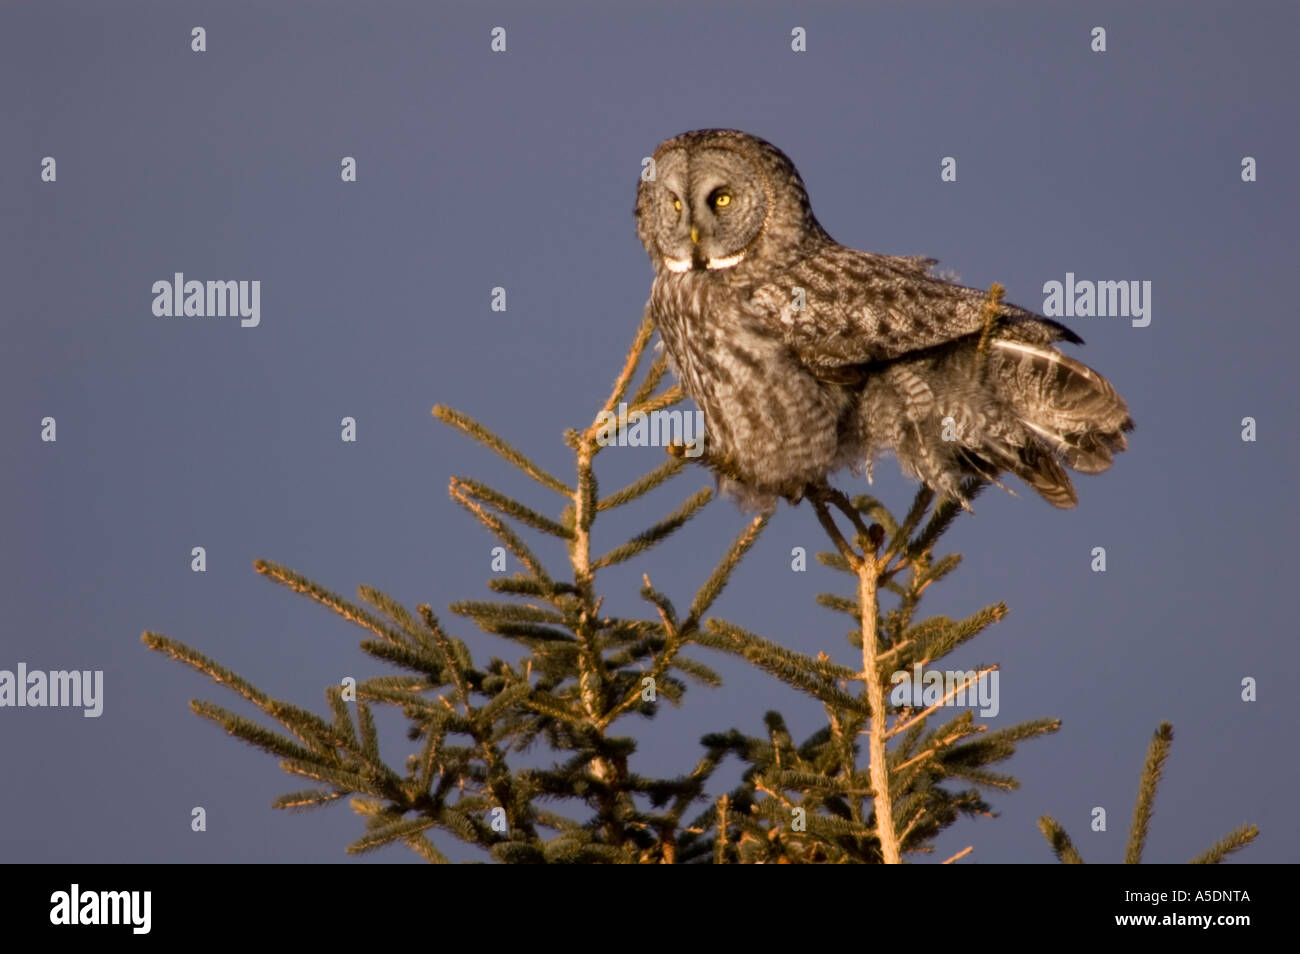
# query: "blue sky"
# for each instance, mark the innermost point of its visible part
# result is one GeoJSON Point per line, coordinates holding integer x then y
{"type": "Point", "coordinates": [519, 170]}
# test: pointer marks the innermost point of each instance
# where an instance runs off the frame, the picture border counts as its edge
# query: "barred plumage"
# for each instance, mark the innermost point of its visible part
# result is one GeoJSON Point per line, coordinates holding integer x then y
{"type": "Point", "coordinates": [806, 356]}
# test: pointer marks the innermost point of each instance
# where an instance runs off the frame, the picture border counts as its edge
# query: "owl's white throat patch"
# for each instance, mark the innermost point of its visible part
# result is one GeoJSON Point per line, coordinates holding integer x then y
{"type": "Point", "coordinates": [685, 264]}
{"type": "Point", "coordinates": [727, 261]}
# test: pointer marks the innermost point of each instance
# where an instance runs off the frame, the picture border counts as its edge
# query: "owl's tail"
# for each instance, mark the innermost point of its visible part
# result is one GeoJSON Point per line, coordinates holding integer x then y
{"type": "Point", "coordinates": [1019, 407]}
{"type": "Point", "coordinates": [1071, 415]}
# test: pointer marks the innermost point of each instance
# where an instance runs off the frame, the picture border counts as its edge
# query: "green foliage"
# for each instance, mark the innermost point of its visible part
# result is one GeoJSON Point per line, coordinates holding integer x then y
{"type": "Point", "coordinates": [581, 674]}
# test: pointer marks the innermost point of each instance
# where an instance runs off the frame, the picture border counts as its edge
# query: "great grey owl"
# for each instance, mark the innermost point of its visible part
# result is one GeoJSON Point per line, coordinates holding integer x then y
{"type": "Point", "coordinates": [806, 356]}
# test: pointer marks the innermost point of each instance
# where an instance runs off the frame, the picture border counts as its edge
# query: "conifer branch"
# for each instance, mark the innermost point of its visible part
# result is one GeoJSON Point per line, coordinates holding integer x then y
{"type": "Point", "coordinates": [402, 829]}
{"type": "Point", "coordinates": [254, 733]}
{"type": "Point", "coordinates": [944, 700]}
{"type": "Point", "coordinates": [713, 586]}
{"type": "Point", "coordinates": [834, 561]}
{"type": "Point", "coordinates": [903, 532]}
{"type": "Point", "coordinates": [345, 608]}
{"type": "Point", "coordinates": [585, 669]}
{"type": "Point", "coordinates": [1233, 841]}
{"type": "Point", "coordinates": [499, 529]}
{"type": "Point", "coordinates": [419, 660]}
{"type": "Point", "coordinates": [908, 807]}
{"type": "Point", "coordinates": [992, 309]}
{"type": "Point", "coordinates": [485, 613]}
{"type": "Point", "coordinates": [1157, 753]}
{"type": "Point", "coordinates": [719, 634]}
{"type": "Point", "coordinates": [310, 798]}
{"type": "Point", "coordinates": [840, 604]}
{"type": "Point", "coordinates": [210, 668]}
{"type": "Point", "coordinates": [422, 846]}
{"type": "Point", "coordinates": [644, 332]}
{"type": "Point", "coordinates": [1152, 769]}
{"type": "Point", "coordinates": [667, 398]}
{"type": "Point", "coordinates": [696, 670]}
{"type": "Point", "coordinates": [342, 717]}
{"type": "Point", "coordinates": [1060, 842]}
{"type": "Point", "coordinates": [648, 538]}
{"type": "Point", "coordinates": [643, 485]}
{"type": "Point", "coordinates": [521, 585]}
{"type": "Point", "coordinates": [395, 611]}
{"type": "Point", "coordinates": [474, 429]}
{"type": "Point", "coordinates": [720, 843]}
{"type": "Point", "coordinates": [465, 717]}
{"type": "Point", "coordinates": [941, 518]}
{"type": "Point", "coordinates": [654, 374]}
{"type": "Point", "coordinates": [510, 507]}
{"type": "Point", "coordinates": [874, 678]}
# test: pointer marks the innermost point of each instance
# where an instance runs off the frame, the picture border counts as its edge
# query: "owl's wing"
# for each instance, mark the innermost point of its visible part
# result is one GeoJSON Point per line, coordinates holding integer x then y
{"type": "Point", "coordinates": [840, 309]}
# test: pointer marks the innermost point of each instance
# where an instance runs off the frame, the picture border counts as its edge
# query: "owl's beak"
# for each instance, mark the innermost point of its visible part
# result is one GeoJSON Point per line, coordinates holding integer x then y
{"type": "Point", "coordinates": [695, 235]}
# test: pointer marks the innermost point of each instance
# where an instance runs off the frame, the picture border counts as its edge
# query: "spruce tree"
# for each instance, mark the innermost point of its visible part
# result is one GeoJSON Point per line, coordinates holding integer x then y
{"type": "Point", "coordinates": [877, 783]}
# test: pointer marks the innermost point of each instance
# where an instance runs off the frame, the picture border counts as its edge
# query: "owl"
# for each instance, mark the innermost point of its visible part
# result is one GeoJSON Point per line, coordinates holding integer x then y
{"type": "Point", "coordinates": [806, 356]}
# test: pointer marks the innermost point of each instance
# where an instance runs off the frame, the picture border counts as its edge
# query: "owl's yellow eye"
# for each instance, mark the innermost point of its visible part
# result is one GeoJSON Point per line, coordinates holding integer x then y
{"type": "Point", "coordinates": [677, 204]}
{"type": "Point", "coordinates": [721, 200]}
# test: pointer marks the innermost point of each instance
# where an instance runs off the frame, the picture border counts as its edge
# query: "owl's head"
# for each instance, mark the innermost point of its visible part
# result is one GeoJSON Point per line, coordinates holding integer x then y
{"type": "Point", "coordinates": [719, 198]}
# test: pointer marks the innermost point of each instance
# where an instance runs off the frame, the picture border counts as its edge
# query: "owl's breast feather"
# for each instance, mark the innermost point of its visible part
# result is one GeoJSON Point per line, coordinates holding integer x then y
{"type": "Point", "coordinates": [762, 408]}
